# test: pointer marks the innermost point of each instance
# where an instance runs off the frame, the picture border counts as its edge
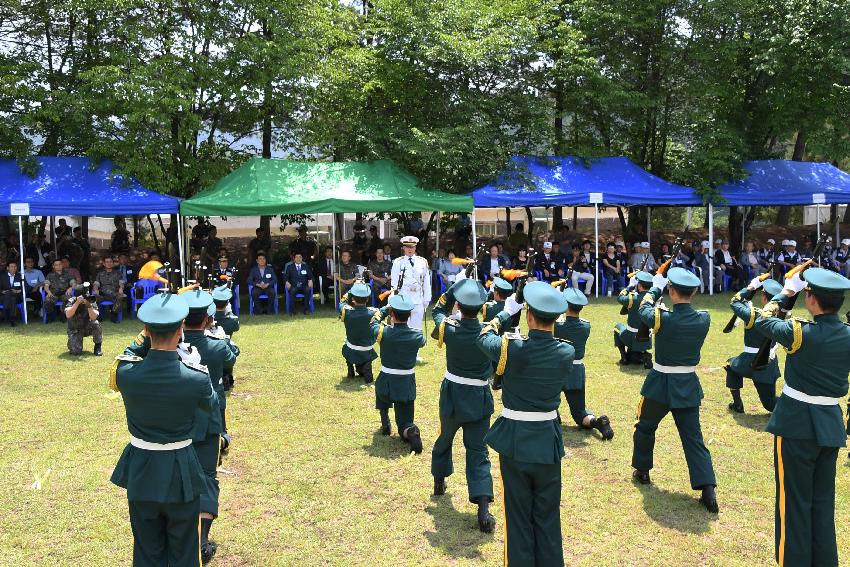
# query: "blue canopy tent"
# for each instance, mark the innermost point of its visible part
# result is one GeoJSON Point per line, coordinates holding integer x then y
{"type": "Point", "coordinates": [75, 186]}
{"type": "Point", "coordinates": [572, 181]}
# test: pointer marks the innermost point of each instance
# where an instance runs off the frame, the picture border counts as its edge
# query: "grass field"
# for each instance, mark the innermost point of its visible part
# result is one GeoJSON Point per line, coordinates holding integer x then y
{"type": "Point", "coordinates": [310, 481]}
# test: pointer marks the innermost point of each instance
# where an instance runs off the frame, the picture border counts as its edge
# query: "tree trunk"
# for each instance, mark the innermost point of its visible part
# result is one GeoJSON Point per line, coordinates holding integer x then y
{"type": "Point", "coordinates": [155, 239]}
{"type": "Point", "coordinates": [530, 218]}
{"type": "Point", "coordinates": [784, 213]}
{"type": "Point", "coordinates": [735, 231]}
{"type": "Point", "coordinates": [622, 218]}
{"type": "Point", "coordinates": [508, 221]}
{"type": "Point", "coordinates": [575, 218]}
{"type": "Point", "coordinates": [84, 226]}
{"type": "Point", "coordinates": [557, 219]}
{"type": "Point", "coordinates": [135, 231]}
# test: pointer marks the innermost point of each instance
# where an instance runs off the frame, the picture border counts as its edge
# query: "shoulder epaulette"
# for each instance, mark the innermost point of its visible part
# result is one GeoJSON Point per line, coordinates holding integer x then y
{"type": "Point", "coordinates": [663, 308]}
{"type": "Point", "coordinates": [565, 341]}
{"type": "Point", "coordinates": [196, 366]}
{"type": "Point", "coordinates": [450, 321]}
{"type": "Point", "coordinates": [515, 337]}
{"type": "Point", "coordinates": [128, 358]}
{"type": "Point", "coordinates": [583, 320]}
{"type": "Point", "coordinates": [216, 336]}
{"type": "Point", "coordinates": [113, 373]}
{"type": "Point", "coordinates": [801, 320]}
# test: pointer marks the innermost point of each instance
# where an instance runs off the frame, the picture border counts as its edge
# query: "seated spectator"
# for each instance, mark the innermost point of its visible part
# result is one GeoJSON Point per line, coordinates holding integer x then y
{"type": "Point", "coordinates": [375, 243]}
{"type": "Point", "coordinates": [437, 258]}
{"type": "Point", "coordinates": [789, 257]}
{"type": "Point", "coordinates": [550, 263]}
{"type": "Point", "coordinates": [128, 271]}
{"type": "Point", "coordinates": [120, 240]}
{"type": "Point", "coordinates": [729, 265]}
{"type": "Point", "coordinates": [39, 250]}
{"type": "Point", "coordinates": [468, 252]}
{"type": "Point", "coordinates": [34, 281]}
{"type": "Point", "coordinates": [347, 273]}
{"type": "Point", "coordinates": [518, 239]}
{"type": "Point", "coordinates": [642, 259]}
{"type": "Point", "coordinates": [327, 269]}
{"type": "Point", "coordinates": [613, 270]}
{"type": "Point", "coordinates": [298, 278]}
{"type": "Point", "coordinates": [841, 256]}
{"type": "Point", "coordinates": [665, 252]}
{"type": "Point", "coordinates": [767, 253]}
{"type": "Point", "coordinates": [623, 256]}
{"type": "Point", "coordinates": [58, 287]}
{"type": "Point", "coordinates": [11, 292]}
{"type": "Point", "coordinates": [62, 230]}
{"type": "Point", "coordinates": [490, 265]}
{"type": "Point", "coordinates": [379, 270]}
{"type": "Point", "coordinates": [636, 258]}
{"type": "Point", "coordinates": [263, 281]}
{"type": "Point", "coordinates": [75, 273]}
{"type": "Point", "coordinates": [807, 250]}
{"type": "Point", "coordinates": [222, 273]}
{"type": "Point", "coordinates": [388, 252]}
{"type": "Point", "coordinates": [702, 263]}
{"type": "Point", "coordinates": [750, 260]}
{"type": "Point", "coordinates": [520, 261]}
{"type": "Point", "coordinates": [505, 259]}
{"type": "Point", "coordinates": [448, 271]}
{"type": "Point", "coordinates": [682, 259]}
{"type": "Point", "coordinates": [582, 269]}
{"type": "Point", "coordinates": [108, 286]}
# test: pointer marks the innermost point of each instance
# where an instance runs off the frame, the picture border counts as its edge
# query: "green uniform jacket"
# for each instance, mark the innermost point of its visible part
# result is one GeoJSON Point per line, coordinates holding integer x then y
{"type": "Point", "coordinates": [161, 397]}
{"type": "Point", "coordinates": [817, 364]}
{"type": "Point", "coordinates": [230, 323]}
{"type": "Point", "coordinates": [743, 363]}
{"type": "Point", "coordinates": [462, 402]}
{"type": "Point", "coordinates": [358, 331]}
{"type": "Point", "coordinates": [399, 346]}
{"type": "Point", "coordinates": [679, 336]}
{"type": "Point", "coordinates": [632, 298]}
{"type": "Point", "coordinates": [534, 371]}
{"type": "Point", "coordinates": [491, 309]}
{"type": "Point", "coordinates": [576, 331]}
{"type": "Point", "coordinates": [217, 355]}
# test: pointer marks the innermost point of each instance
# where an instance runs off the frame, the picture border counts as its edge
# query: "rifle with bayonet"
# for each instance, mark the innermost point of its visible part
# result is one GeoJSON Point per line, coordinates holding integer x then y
{"type": "Point", "coordinates": [396, 289]}
{"type": "Point", "coordinates": [471, 264]}
{"type": "Point", "coordinates": [523, 280]}
{"type": "Point", "coordinates": [643, 331]}
{"type": "Point", "coordinates": [731, 324]}
{"type": "Point", "coordinates": [762, 358]}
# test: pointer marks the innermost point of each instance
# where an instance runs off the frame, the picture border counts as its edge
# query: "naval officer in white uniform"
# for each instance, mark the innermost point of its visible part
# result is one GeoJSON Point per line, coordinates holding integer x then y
{"type": "Point", "coordinates": [417, 282]}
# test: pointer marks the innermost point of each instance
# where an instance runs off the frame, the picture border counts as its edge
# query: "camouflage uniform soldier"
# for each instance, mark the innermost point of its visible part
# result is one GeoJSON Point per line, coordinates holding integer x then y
{"type": "Point", "coordinates": [81, 313]}
{"type": "Point", "coordinates": [58, 286]}
{"type": "Point", "coordinates": [109, 286]}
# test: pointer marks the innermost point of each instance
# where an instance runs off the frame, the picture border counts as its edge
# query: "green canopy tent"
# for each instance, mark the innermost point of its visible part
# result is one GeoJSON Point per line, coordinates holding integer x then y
{"type": "Point", "coordinates": [277, 187]}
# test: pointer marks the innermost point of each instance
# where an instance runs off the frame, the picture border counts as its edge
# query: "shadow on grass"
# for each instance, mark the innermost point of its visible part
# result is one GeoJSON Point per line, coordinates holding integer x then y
{"type": "Point", "coordinates": [755, 422]}
{"type": "Point", "coordinates": [575, 437]}
{"type": "Point", "coordinates": [68, 356]}
{"type": "Point", "coordinates": [350, 384]}
{"type": "Point", "coordinates": [456, 533]}
{"type": "Point", "coordinates": [681, 512]}
{"type": "Point", "coordinates": [386, 446]}
{"type": "Point", "coordinates": [636, 370]}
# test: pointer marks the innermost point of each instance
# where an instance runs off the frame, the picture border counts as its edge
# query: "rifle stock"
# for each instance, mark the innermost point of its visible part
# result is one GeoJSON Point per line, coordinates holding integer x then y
{"type": "Point", "coordinates": [643, 330]}
{"type": "Point", "coordinates": [384, 295]}
{"type": "Point", "coordinates": [731, 324]}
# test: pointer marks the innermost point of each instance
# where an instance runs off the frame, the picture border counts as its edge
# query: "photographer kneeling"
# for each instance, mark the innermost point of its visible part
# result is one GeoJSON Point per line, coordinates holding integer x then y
{"type": "Point", "coordinates": [81, 313]}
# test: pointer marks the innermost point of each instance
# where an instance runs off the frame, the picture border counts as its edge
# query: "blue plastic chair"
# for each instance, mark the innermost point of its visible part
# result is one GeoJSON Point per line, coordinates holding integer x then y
{"type": "Point", "coordinates": [290, 307]}
{"type": "Point", "coordinates": [727, 281]}
{"type": "Point", "coordinates": [235, 301]}
{"type": "Point", "coordinates": [101, 310]}
{"type": "Point", "coordinates": [60, 305]}
{"type": "Point", "coordinates": [148, 288]}
{"type": "Point", "coordinates": [273, 299]}
{"type": "Point", "coordinates": [20, 307]}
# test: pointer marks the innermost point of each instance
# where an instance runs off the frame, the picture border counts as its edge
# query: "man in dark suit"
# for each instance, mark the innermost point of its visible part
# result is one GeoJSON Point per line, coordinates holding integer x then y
{"type": "Point", "coordinates": [263, 281]}
{"type": "Point", "coordinates": [729, 264]}
{"type": "Point", "coordinates": [326, 270]}
{"type": "Point", "coordinates": [490, 266]}
{"type": "Point", "coordinates": [11, 291]}
{"type": "Point", "coordinates": [298, 277]}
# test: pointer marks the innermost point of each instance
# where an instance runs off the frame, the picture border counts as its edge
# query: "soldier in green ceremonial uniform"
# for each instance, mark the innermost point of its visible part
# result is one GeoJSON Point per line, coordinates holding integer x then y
{"type": "Point", "coordinates": [632, 350]}
{"type": "Point", "coordinates": [359, 347]}
{"type": "Point", "coordinates": [672, 385]}
{"type": "Point", "coordinates": [159, 468]}
{"type": "Point", "coordinates": [807, 423]}
{"type": "Point", "coordinates": [741, 366]}
{"type": "Point", "coordinates": [528, 436]}
{"type": "Point", "coordinates": [396, 383]}
{"type": "Point", "coordinates": [465, 398]}
{"type": "Point", "coordinates": [224, 318]}
{"type": "Point", "coordinates": [576, 330]}
{"type": "Point", "coordinates": [501, 290]}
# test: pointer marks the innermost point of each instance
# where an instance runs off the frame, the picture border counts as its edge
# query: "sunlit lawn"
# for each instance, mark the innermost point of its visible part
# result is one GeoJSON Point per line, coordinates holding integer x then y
{"type": "Point", "coordinates": [310, 482]}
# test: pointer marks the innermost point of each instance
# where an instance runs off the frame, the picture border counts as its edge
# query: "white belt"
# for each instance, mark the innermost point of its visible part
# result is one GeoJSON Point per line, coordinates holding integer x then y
{"type": "Point", "coordinates": [815, 400]}
{"type": "Point", "coordinates": [755, 350]}
{"type": "Point", "coordinates": [579, 361]}
{"type": "Point", "coordinates": [632, 329]}
{"type": "Point", "coordinates": [529, 415]}
{"type": "Point", "coordinates": [358, 347]}
{"type": "Point", "coordinates": [386, 370]}
{"type": "Point", "coordinates": [147, 445]}
{"type": "Point", "coordinates": [673, 369]}
{"type": "Point", "coordinates": [468, 381]}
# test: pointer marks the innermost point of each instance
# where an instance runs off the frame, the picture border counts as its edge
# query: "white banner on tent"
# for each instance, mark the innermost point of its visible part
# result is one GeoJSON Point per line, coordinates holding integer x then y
{"type": "Point", "coordinates": [595, 198]}
{"type": "Point", "coordinates": [818, 198]}
{"type": "Point", "coordinates": [19, 209]}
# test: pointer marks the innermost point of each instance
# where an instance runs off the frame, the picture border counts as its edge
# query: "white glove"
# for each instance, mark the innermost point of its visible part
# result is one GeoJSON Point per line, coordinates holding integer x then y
{"type": "Point", "coordinates": [794, 284]}
{"type": "Point", "coordinates": [461, 275]}
{"type": "Point", "coordinates": [511, 305]}
{"type": "Point", "coordinates": [633, 281]}
{"type": "Point", "coordinates": [659, 281]}
{"type": "Point", "coordinates": [756, 283]}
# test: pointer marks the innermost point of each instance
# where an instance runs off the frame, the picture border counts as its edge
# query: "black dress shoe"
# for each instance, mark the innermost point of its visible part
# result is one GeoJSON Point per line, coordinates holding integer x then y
{"type": "Point", "coordinates": [414, 437]}
{"type": "Point", "coordinates": [97, 350]}
{"type": "Point", "coordinates": [647, 361]}
{"type": "Point", "coordinates": [208, 549]}
{"type": "Point", "coordinates": [709, 499]}
{"type": "Point", "coordinates": [642, 477]}
{"type": "Point", "coordinates": [486, 521]}
{"type": "Point", "coordinates": [439, 486]}
{"type": "Point", "coordinates": [603, 424]}
{"type": "Point", "coordinates": [737, 407]}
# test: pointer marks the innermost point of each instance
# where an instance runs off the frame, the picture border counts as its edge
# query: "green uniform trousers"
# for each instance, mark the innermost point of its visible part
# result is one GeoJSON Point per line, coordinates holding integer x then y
{"type": "Point", "coordinates": [805, 503]}
{"type": "Point", "coordinates": [532, 507]}
{"type": "Point", "coordinates": [766, 392]}
{"type": "Point", "coordinates": [207, 451]}
{"type": "Point", "coordinates": [165, 534]}
{"type": "Point", "coordinates": [479, 481]}
{"type": "Point", "coordinates": [650, 414]}
{"type": "Point", "coordinates": [403, 412]}
{"type": "Point", "coordinates": [575, 399]}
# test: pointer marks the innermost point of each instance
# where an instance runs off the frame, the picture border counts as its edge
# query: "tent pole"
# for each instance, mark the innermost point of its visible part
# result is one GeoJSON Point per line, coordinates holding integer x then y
{"type": "Point", "coordinates": [596, 245]}
{"type": "Point", "coordinates": [710, 250]}
{"type": "Point", "coordinates": [333, 245]}
{"type": "Point", "coordinates": [743, 228]}
{"type": "Point", "coordinates": [180, 248]}
{"type": "Point", "coordinates": [21, 268]}
{"type": "Point", "coordinates": [648, 224]}
{"type": "Point", "coordinates": [690, 216]}
{"type": "Point", "coordinates": [437, 247]}
{"type": "Point", "coordinates": [53, 237]}
{"type": "Point", "coordinates": [474, 238]}
{"type": "Point", "coordinates": [817, 212]}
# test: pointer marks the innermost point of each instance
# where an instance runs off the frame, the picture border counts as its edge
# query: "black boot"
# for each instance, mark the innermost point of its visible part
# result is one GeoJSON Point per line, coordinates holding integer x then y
{"type": "Point", "coordinates": [709, 499]}
{"type": "Point", "coordinates": [414, 437]}
{"type": "Point", "coordinates": [486, 521]}
{"type": "Point", "coordinates": [97, 350]}
{"type": "Point", "coordinates": [350, 370]}
{"type": "Point", "coordinates": [439, 486]}
{"type": "Point", "coordinates": [603, 425]}
{"type": "Point", "coordinates": [227, 381]}
{"type": "Point", "coordinates": [624, 356]}
{"type": "Point", "coordinates": [367, 373]}
{"type": "Point", "coordinates": [737, 404]}
{"type": "Point", "coordinates": [646, 358]}
{"type": "Point", "coordinates": [642, 477]}
{"type": "Point", "coordinates": [386, 428]}
{"type": "Point", "coordinates": [208, 548]}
